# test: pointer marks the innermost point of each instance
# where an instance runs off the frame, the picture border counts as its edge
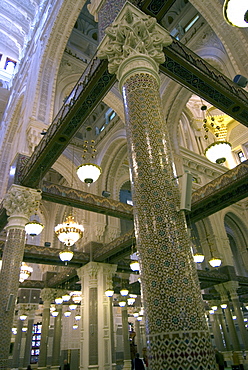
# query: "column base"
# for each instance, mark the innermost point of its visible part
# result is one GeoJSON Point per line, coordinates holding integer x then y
{"type": "Point", "coordinates": [127, 365]}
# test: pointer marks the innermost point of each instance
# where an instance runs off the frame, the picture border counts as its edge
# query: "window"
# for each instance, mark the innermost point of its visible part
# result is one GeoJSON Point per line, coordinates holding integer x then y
{"type": "Point", "coordinates": [241, 156]}
{"type": "Point", "coordinates": [10, 65]}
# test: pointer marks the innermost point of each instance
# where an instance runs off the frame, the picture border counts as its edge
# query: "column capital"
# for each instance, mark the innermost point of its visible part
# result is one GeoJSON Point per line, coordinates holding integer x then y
{"type": "Point", "coordinates": [20, 202]}
{"type": "Point", "coordinates": [134, 42]}
{"type": "Point", "coordinates": [223, 292]}
{"type": "Point", "coordinates": [48, 294]}
{"type": "Point", "coordinates": [232, 287]}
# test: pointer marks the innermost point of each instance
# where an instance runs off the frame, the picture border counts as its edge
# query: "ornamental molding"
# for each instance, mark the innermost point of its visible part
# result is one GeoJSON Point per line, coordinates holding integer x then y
{"type": "Point", "coordinates": [21, 201]}
{"type": "Point", "coordinates": [133, 35]}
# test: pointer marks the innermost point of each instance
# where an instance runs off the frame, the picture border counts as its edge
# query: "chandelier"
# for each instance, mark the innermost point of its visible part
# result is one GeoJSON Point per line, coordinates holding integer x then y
{"type": "Point", "coordinates": [198, 257]}
{"type": "Point", "coordinates": [33, 228]}
{"type": "Point", "coordinates": [220, 149]}
{"type": "Point", "coordinates": [89, 172]}
{"type": "Point", "coordinates": [25, 272]}
{"type": "Point", "coordinates": [235, 13]}
{"type": "Point", "coordinates": [69, 232]}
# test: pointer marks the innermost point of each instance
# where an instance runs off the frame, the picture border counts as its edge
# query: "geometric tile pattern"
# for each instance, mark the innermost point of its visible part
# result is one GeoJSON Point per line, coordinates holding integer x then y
{"type": "Point", "coordinates": [9, 283]}
{"type": "Point", "coordinates": [172, 296]}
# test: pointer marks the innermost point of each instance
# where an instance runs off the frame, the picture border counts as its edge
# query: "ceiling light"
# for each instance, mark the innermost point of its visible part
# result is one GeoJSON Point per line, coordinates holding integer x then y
{"type": "Point", "coordinates": [14, 331]}
{"type": "Point", "coordinates": [139, 318]}
{"type": "Point", "coordinates": [109, 292]}
{"type": "Point", "coordinates": [25, 272]}
{"type": "Point", "coordinates": [124, 291]}
{"type": "Point", "coordinates": [59, 300]}
{"type": "Point", "coordinates": [236, 13]}
{"type": "Point", "coordinates": [223, 305]}
{"type": "Point", "coordinates": [89, 172]}
{"type": "Point", "coordinates": [66, 297]}
{"type": "Point", "coordinates": [66, 255]}
{"type": "Point", "coordinates": [218, 151]}
{"type": "Point", "coordinates": [215, 262]}
{"type": "Point", "coordinates": [24, 329]}
{"type": "Point", "coordinates": [136, 314]}
{"type": "Point", "coordinates": [72, 306]}
{"type": "Point", "coordinates": [69, 232]}
{"type": "Point", "coordinates": [214, 308]}
{"type": "Point", "coordinates": [198, 257]}
{"type": "Point", "coordinates": [33, 228]}
{"type": "Point", "coordinates": [122, 303]}
{"type": "Point", "coordinates": [67, 313]}
{"type": "Point", "coordinates": [77, 298]}
{"type": "Point", "coordinates": [23, 317]}
{"type": "Point", "coordinates": [54, 313]}
{"type": "Point", "coordinates": [77, 317]}
{"type": "Point", "coordinates": [211, 312]}
{"type": "Point", "coordinates": [75, 326]}
{"type": "Point", "coordinates": [130, 301]}
{"type": "Point", "coordinates": [134, 265]}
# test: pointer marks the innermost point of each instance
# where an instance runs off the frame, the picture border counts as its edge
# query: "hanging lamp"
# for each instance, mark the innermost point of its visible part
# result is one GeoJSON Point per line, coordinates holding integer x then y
{"type": "Point", "coordinates": [33, 228]}
{"type": "Point", "coordinates": [218, 151]}
{"type": "Point", "coordinates": [89, 172]}
{"type": "Point", "coordinates": [235, 13]}
{"type": "Point", "coordinates": [25, 272]}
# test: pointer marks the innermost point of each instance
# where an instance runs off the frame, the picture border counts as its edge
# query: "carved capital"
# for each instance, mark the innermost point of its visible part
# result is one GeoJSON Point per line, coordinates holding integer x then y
{"type": "Point", "coordinates": [48, 294]}
{"type": "Point", "coordinates": [232, 287]}
{"type": "Point", "coordinates": [20, 203]}
{"type": "Point", "coordinates": [134, 35]}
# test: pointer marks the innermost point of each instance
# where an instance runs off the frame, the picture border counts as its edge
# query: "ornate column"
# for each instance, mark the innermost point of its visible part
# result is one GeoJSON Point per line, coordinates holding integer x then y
{"type": "Point", "coordinates": [57, 337]}
{"type": "Point", "coordinates": [230, 324]}
{"type": "Point", "coordinates": [96, 330]}
{"type": "Point", "coordinates": [232, 287]}
{"type": "Point", "coordinates": [20, 203]}
{"type": "Point", "coordinates": [17, 345]}
{"type": "Point", "coordinates": [177, 333]}
{"type": "Point", "coordinates": [216, 331]}
{"type": "Point", "coordinates": [125, 336]}
{"type": "Point", "coordinates": [29, 335]}
{"type": "Point", "coordinates": [138, 337]}
{"type": "Point", "coordinates": [47, 296]}
{"type": "Point", "coordinates": [222, 323]}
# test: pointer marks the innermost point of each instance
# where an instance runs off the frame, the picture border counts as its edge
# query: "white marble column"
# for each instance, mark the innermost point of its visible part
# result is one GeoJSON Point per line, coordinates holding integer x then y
{"type": "Point", "coordinates": [96, 330]}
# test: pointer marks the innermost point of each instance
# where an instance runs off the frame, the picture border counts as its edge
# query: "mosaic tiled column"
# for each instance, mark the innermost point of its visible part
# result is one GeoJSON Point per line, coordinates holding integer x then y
{"type": "Point", "coordinates": [177, 333]}
{"type": "Point", "coordinates": [29, 335]}
{"type": "Point", "coordinates": [19, 203]}
{"type": "Point", "coordinates": [47, 296]}
{"type": "Point", "coordinates": [57, 336]}
{"type": "Point", "coordinates": [96, 329]}
{"type": "Point", "coordinates": [232, 287]}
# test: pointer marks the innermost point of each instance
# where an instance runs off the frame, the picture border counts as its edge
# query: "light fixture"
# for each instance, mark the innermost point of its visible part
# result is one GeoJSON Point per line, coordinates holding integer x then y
{"type": "Point", "coordinates": [218, 151]}
{"type": "Point", "coordinates": [25, 272]}
{"type": "Point", "coordinates": [75, 326]}
{"type": "Point", "coordinates": [235, 13]}
{"type": "Point", "coordinates": [134, 265]}
{"type": "Point", "coordinates": [214, 308]}
{"type": "Point", "coordinates": [245, 320]}
{"type": "Point", "coordinates": [14, 331]}
{"type": "Point", "coordinates": [223, 305]}
{"type": "Point", "coordinates": [130, 301]}
{"type": "Point", "coordinates": [122, 303]}
{"type": "Point", "coordinates": [133, 295]}
{"type": "Point", "coordinates": [139, 318]}
{"type": "Point", "coordinates": [136, 314]}
{"type": "Point", "coordinates": [211, 312]}
{"type": "Point", "coordinates": [33, 228]}
{"type": "Point", "coordinates": [77, 317]}
{"type": "Point", "coordinates": [67, 313]}
{"type": "Point", "coordinates": [109, 292]}
{"type": "Point", "coordinates": [23, 317]}
{"type": "Point", "coordinates": [215, 262]}
{"type": "Point", "coordinates": [77, 298]}
{"type": "Point", "coordinates": [124, 292]}
{"type": "Point", "coordinates": [198, 257]}
{"type": "Point", "coordinates": [69, 232]}
{"type": "Point", "coordinates": [89, 172]}
{"type": "Point", "coordinates": [54, 313]}
{"type": "Point", "coordinates": [24, 329]}
{"type": "Point", "coordinates": [234, 317]}
{"type": "Point", "coordinates": [72, 306]}
{"type": "Point", "coordinates": [66, 255]}
{"type": "Point", "coordinates": [59, 300]}
{"type": "Point", "coordinates": [66, 297]}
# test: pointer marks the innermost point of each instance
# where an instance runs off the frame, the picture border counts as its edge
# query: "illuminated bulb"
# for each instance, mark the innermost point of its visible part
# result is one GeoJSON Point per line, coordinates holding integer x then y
{"type": "Point", "coordinates": [214, 308]}
{"type": "Point", "coordinates": [77, 317]}
{"type": "Point", "coordinates": [234, 317]}
{"type": "Point", "coordinates": [59, 300]}
{"type": "Point", "coordinates": [14, 331]}
{"type": "Point", "coordinates": [124, 292]}
{"type": "Point", "coordinates": [109, 292]}
{"type": "Point", "coordinates": [67, 313]}
{"type": "Point", "coordinates": [215, 262]}
{"type": "Point", "coordinates": [198, 257]}
{"type": "Point", "coordinates": [23, 317]}
{"type": "Point", "coordinates": [75, 326]}
{"type": "Point", "coordinates": [25, 329]}
{"type": "Point", "coordinates": [134, 265]}
{"type": "Point", "coordinates": [72, 306]}
{"type": "Point", "coordinates": [55, 313]}
{"type": "Point", "coordinates": [223, 305]}
{"type": "Point", "coordinates": [130, 301]}
{"type": "Point", "coordinates": [211, 312]}
{"type": "Point", "coordinates": [133, 295]}
{"type": "Point", "coordinates": [136, 314]}
{"type": "Point", "coordinates": [235, 13]}
{"type": "Point", "coordinates": [66, 297]}
{"type": "Point", "coordinates": [139, 318]}
{"type": "Point", "coordinates": [122, 303]}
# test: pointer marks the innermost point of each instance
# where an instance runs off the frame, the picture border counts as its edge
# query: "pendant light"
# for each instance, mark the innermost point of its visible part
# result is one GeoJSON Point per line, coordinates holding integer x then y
{"type": "Point", "coordinates": [25, 272]}
{"type": "Point", "coordinates": [34, 227]}
{"type": "Point", "coordinates": [235, 13]}
{"type": "Point", "coordinates": [89, 171]}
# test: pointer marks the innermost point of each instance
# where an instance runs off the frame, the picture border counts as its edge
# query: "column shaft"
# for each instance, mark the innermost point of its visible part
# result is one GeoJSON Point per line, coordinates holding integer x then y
{"type": "Point", "coordinates": [44, 334]}
{"type": "Point", "coordinates": [232, 330]}
{"type": "Point", "coordinates": [125, 336]}
{"type": "Point", "coordinates": [17, 345]}
{"type": "Point", "coordinates": [28, 344]}
{"type": "Point", "coordinates": [57, 337]}
{"type": "Point", "coordinates": [224, 330]}
{"type": "Point", "coordinates": [240, 319]}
